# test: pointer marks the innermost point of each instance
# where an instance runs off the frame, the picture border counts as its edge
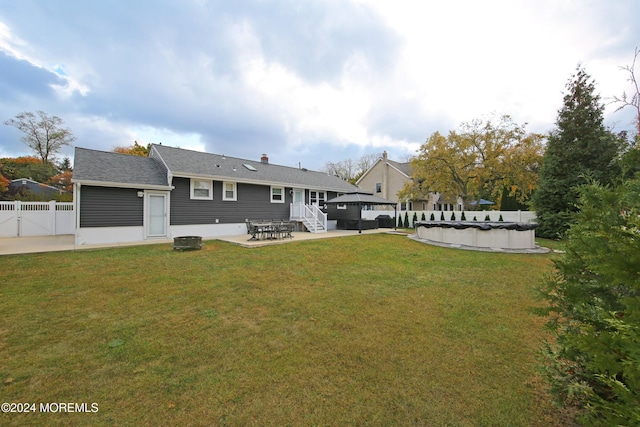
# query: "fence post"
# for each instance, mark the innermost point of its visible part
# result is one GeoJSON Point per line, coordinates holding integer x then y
{"type": "Point", "coordinates": [52, 217]}
{"type": "Point", "coordinates": [19, 216]}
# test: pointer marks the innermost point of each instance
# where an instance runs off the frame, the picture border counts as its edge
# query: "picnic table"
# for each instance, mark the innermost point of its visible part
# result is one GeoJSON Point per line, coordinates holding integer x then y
{"type": "Point", "coordinates": [269, 229]}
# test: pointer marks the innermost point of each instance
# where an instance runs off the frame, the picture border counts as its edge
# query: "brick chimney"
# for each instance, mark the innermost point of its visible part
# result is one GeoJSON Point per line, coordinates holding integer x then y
{"type": "Point", "coordinates": [264, 159]}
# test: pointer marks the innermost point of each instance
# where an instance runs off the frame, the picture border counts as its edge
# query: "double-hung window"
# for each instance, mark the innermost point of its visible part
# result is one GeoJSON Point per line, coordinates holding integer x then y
{"type": "Point", "coordinates": [229, 191]}
{"type": "Point", "coordinates": [201, 189]}
{"type": "Point", "coordinates": [277, 194]}
{"type": "Point", "coordinates": [317, 198]}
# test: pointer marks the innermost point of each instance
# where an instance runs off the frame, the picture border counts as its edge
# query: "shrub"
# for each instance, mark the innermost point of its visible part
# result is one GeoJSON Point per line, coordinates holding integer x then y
{"type": "Point", "coordinates": [474, 218]}
{"type": "Point", "coordinates": [415, 218]}
{"type": "Point", "coordinates": [424, 218]}
{"type": "Point", "coordinates": [463, 217]}
{"type": "Point", "coordinates": [442, 216]}
{"type": "Point", "coordinates": [453, 216]}
{"type": "Point", "coordinates": [432, 217]}
{"type": "Point", "coordinates": [406, 220]}
{"type": "Point", "coordinates": [594, 309]}
{"type": "Point", "coordinates": [487, 217]}
{"type": "Point", "coordinates": [500, 219]}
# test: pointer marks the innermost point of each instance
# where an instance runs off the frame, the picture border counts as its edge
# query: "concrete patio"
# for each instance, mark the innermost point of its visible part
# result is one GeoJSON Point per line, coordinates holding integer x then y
{"type": "Point", "coordinates": [66, 242]}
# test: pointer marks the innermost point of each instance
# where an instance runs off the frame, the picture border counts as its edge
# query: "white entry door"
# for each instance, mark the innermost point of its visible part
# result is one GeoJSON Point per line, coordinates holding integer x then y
{"type": "Point", "coordinates": [156, 215]}
{"type": "Point", "coordinates": [298, 203]}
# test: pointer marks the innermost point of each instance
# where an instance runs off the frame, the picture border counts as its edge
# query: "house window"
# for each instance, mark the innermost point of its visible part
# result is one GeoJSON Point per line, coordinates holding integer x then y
{"type": "Point", "coordinates": [317, 198]}
{"type": "Point", "coordinates": [341, 205]}
{"type": "Point", "coordinates": [277, 194]}
{"type": "Point", "coordinates": [230, 191]}
{"type": "Point", "coordinates": [201, 189]}
{"type": "Point", "coordinates": [378, 187]}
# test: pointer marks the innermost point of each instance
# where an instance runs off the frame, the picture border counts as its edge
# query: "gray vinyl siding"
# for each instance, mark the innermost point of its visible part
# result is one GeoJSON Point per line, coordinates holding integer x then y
{"type": "Point", "coordinates": [253, 202]}
{"type": "Point", "coordinates": [110, 207]}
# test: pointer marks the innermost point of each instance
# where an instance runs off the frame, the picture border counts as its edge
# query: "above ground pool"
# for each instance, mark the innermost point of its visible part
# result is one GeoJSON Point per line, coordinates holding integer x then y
{"type": "Point", "coordinates": [482, 235]}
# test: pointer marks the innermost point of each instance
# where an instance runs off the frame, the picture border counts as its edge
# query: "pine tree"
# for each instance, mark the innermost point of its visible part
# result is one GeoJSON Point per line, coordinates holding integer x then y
{"type": "Point", "coordinates": [594, 308]}
{"type": "Point", "coordinates": [578, 148]}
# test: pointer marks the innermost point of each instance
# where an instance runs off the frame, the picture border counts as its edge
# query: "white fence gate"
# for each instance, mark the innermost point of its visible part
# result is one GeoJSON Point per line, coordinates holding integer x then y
{"type": "Point", "coordinates": [36, 218]}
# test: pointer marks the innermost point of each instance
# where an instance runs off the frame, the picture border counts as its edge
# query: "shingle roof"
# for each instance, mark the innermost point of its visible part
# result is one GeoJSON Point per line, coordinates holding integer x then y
{"type": "Point", "coordinates": [187, 163]}
{"type": "Point", "coordinates": [405, 168]}
{"type": "Point", "coordinates": [115, 168]}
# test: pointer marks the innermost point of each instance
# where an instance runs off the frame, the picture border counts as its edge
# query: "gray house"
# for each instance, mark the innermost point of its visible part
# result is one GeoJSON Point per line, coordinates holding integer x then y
{"type": "Point", "coordinates": [43, 190]}
{"type": "Point", "coordinates": [177, 192]}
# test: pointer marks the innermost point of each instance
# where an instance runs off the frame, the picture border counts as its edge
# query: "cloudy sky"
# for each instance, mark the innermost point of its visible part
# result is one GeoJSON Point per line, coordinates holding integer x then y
{"type": "Point", "coordinates": [306, 82]}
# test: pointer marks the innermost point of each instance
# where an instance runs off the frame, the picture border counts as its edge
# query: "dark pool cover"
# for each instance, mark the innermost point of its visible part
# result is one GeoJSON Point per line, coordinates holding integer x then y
{"type": "Point", "coordinates": [482, 225]}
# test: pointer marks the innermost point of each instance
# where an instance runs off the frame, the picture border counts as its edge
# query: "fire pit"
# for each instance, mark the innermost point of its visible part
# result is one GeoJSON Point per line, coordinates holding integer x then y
{"type": "Point", "coordinates": [187, 243]}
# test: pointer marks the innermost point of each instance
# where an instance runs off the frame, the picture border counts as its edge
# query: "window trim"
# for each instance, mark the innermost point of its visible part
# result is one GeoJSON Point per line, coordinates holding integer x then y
{"type": "Point", "coordinates": [273, 200]}
{"type": "Point", "coordinates": [234, 197]}
{"type": "Point", "coordinates": [319, 199]}
{"type": "Point", "coordinates": [192, 188]}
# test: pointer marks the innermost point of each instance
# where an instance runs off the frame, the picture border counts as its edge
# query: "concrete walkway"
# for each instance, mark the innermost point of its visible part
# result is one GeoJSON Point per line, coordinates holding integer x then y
{"type": "Point", "coordinates": [66, 242]}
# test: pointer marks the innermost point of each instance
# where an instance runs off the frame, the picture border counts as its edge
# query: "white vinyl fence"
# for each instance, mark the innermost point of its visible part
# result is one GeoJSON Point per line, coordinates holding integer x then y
{"type": "Point", "coordinates": [36, 218]}
{"type": "Point", "coordinates": [510, 216]}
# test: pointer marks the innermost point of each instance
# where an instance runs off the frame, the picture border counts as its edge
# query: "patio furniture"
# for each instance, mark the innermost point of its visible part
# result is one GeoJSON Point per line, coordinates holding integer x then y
{"type": "Point", "coordinates": [273, 229]}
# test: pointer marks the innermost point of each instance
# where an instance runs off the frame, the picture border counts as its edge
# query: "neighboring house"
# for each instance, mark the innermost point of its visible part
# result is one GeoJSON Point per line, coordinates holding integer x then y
{"type": "Point", "coordinates": [42, 190]}
{"type": "Point", "coordinates": [386, 178]}
{"type": "Point", "coordinates": [177, 192]}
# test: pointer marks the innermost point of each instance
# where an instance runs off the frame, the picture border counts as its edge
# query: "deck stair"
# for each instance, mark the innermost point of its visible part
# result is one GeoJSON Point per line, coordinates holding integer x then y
{"type": "Point", "coordinates": [314, 220]}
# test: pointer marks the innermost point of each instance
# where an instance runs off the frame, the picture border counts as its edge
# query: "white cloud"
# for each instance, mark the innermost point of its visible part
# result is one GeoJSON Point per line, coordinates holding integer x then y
{"type": "Point", "coordinates": [320, 79]}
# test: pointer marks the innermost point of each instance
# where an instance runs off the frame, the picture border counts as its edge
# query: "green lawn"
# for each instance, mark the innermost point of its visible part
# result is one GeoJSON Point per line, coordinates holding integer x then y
{"type": "Point", "coordinates": [364, 330]}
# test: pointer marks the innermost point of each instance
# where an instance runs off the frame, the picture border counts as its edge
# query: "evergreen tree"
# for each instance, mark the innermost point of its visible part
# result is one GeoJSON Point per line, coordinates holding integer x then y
{"type": "Point", "coordinates": [594, 308]}
{"type": "Point", "coordinates": [579, 147]}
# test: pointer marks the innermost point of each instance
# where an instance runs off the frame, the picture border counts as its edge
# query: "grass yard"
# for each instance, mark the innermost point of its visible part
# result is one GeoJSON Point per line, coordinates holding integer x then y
{"type": "Point", "coordinates": [365, 330]}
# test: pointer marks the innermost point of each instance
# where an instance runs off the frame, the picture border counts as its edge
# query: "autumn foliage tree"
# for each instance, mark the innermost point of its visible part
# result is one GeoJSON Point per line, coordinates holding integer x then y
{"type": "Point", "coordinates": [133, 150]}
{"type": "Point", "coordinates": [62, 181]}
{"type": "Point", "coordinates": [481, 160]}
{"type": "Point", "coordinates": [27, 167]}
{"type": "Point", "coordinates": [33, 168]}
{"type": "Point", "coordinates": [4, 184]}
